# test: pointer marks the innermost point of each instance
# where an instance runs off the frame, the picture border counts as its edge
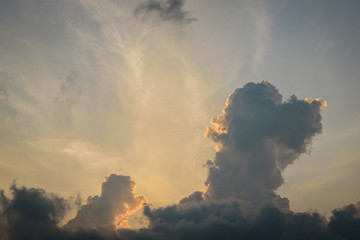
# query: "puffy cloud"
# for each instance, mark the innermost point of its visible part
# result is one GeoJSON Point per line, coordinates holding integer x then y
{"type": "Point", "coordinates": [346, 221]}
{"type": "Point", "coordinates": [258, 135]}
{"type": "Point", "coordinates": [31, 213]}
{"type": "Point", "coordinates": [164, 10]}
{"type": "Point", "coordinates": [111, 209]}
{"type": "Point", "coordinates": [225, 220]}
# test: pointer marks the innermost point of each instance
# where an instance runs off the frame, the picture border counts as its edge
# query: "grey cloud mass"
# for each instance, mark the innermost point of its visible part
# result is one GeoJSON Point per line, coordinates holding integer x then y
{"type": "Point", "coordinates": [34, 214]}
{"type": "Point", "coordinates": [164, 10]}
{"type": "Point", "coordinates": [258, 135]}
{"type": "Point", "coordinates": [225, 220]}
{"type": "Point", "coordinates": [30, 214]}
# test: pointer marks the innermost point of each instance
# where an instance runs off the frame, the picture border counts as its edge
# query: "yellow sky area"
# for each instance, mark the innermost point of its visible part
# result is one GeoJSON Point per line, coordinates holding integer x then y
{"type": "Point", "coordinates": [169, 148]}
{"type": "Point", "coordinates": [156, 138]}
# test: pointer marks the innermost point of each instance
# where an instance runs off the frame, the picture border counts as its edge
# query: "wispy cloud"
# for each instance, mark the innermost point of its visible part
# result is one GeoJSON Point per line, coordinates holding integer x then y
{"type": "Point", "coordinates": [164, 10]}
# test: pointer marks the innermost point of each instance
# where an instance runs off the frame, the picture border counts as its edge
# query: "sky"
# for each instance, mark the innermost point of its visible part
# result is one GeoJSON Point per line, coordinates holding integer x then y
{"type": "Point", "coordinates": [184, 102]}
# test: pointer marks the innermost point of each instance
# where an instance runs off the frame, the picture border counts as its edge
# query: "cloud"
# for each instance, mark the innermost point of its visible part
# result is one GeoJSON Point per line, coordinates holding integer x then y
{"type": "Point", "coordinates": [111, 209]}
{"type": "Point", "coordinates": [164, 10]}
{"type": "Point", "coordinates": [35, 214]}
{"type": "Point", "coordinates": [31, 213]}
{"type": "Point", "coordinates": [346, 221]}
{"type": "Point", "coordinates": [225, 220]}
{"type": "Point", "coordinates": [258, 135]}
{"type": "Point", "coordinates": [216, 220]}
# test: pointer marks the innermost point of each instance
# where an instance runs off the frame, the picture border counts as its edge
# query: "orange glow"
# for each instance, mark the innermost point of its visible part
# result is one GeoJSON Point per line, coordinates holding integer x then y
{"type": "Point", "coordinates": [125, 210]}
{"type": "Point", "coordinates": [322, 102]}
{"type": "Point", "coordinates": [218, 147]}
{"type": "Point", "coordinates": [121, 220]}
{"type": "Point", "coordinates": [218, 123]}
{"type": "Point", "coordinates": [206, 189]}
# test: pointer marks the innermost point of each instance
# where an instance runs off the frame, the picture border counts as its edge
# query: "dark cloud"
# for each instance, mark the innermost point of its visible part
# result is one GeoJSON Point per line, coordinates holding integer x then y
{"type": "Point", "coordinates": [225, 220]}
{"type": "Point", "coordinates": [35, 214]}
{"type": "Point", "coordinates": [31, 213]}
{"type": "Point", "coordinates": [194, 197]}
{"type": "Point", "coordinates": [346, 221]}
{"type": "Point", "coordinates": [164, 10]}
{"type": "Point", "coordinates": [258, 135]}
{"type": "Point", "coordinates": [216, 220]}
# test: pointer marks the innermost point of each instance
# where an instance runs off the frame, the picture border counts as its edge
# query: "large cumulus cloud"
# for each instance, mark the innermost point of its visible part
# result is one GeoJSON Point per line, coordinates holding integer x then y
{"type": "Point", "coordinates": [257, 136]}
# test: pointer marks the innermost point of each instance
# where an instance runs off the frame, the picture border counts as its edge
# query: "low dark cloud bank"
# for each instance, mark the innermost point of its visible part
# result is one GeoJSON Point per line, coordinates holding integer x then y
{"type": "Point", "coordinates": [34, 214]}
{"type": "Point", "coordinates": [164, 10]}
{"type": "Point", "coordinates": [258, 135]}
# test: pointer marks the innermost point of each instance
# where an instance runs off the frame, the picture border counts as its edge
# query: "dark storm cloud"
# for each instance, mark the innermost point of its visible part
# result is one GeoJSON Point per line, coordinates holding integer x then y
{"type": "Point", "coordinates": [164, 10]}
{"type": "Point", "coordinates": [258, 135]}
